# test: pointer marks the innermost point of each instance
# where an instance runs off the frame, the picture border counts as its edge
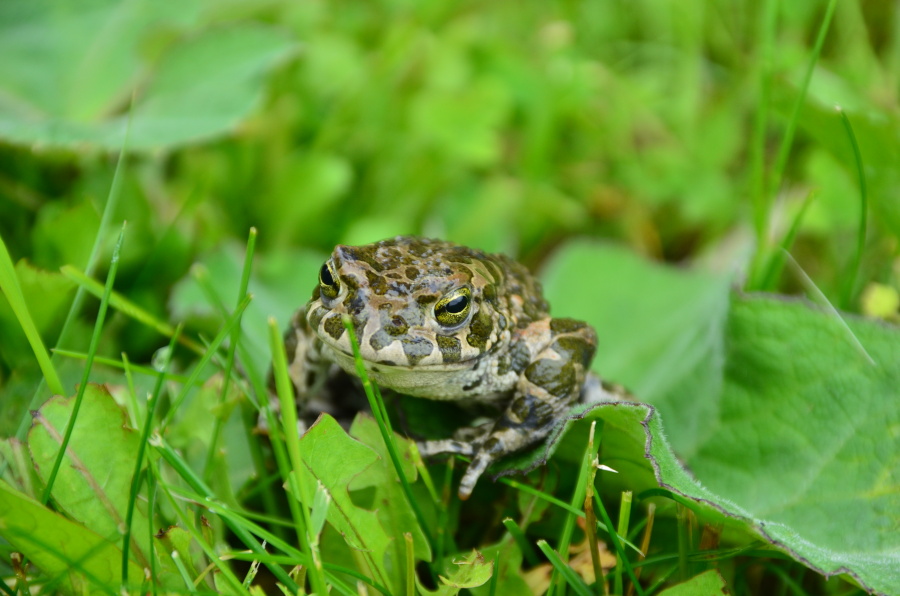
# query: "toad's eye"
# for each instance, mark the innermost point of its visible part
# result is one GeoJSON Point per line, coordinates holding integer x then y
{"type": "Point", "coordinates": [452, 309]}
{"type": "Point", "coordinates": [328, 285]}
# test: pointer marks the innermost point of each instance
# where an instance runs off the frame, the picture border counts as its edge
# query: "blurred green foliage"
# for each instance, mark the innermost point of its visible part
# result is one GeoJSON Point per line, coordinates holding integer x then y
{"type": "Point", "coordinates": [501, 124]}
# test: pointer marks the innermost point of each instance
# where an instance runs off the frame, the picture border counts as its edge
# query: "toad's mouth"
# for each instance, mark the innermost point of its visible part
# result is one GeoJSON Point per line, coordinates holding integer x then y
{"type": "Point", "coordinates": [396, 358]}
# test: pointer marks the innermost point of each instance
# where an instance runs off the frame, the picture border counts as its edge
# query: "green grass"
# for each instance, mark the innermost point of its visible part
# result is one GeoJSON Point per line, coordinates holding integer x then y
{"type": "Point", "coordinates": [252, 138]}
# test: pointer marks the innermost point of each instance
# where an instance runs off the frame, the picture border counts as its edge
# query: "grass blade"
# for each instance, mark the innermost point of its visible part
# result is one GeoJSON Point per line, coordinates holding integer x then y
{"type": "Point", "coordinates": [619, 546]}
{"type": "Point", "coordinates": [565, 572]}
{"type": "Point", "coordinates": [591, 525]}
{"type": "Point", "coordinates": [541, 495]}
{"type": "Point", "coordinates": [229, 362]}
{"type": "Point", "coordinates": [820, 297]}
{"type": "Point", "coordinates": [123, 364]}
{"type": "Point", "coordinates": [769, 190]}
{"type": "Point", "coordinates": [787, 142]}
{"type": "Point", "coordinates": [292, 438]}
{"type": "Point", "coordinates": [9, 285]}
{"type": "Point", "coordinates": [622, 529]}
{"type": "Point", "coordinates": [758, 193]}
{"type": "Point", "coordinates": [684, 520]}
{"type": "Point", "coordinates": [330, 567]}
{"type": "Point", "coordinates": [410, 568]}
{"type": "Point", "coordinates": [258, 402]}
{"type": "Point", "coordinates": [139, 461]}
{"type": "Point", "coordinates": [570, 508]}
{"type": "Point", "coordinates": [776, 262]}
{"type": "Point", "coordinates": [492, 587]}
{"type": "Point", "coordinates": [852, 275]}
{"type": "Point", "coordinates": [276, 439]}
{"type": "Point", "coordinates": [645, 543]}
{"type": "Point", "coordinates": [179, 564]}
{"type": "Point", "coordinates": [565, 536]}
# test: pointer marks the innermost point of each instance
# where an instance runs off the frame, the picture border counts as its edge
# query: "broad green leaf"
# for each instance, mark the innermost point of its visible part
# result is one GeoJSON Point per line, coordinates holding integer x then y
{"type": "Point", "coordinates": [388, 497]}
{"type": "Point", "coordinates": [71, 62]}
{"type": "Point", "coordinates": [776, 409]}
{"type": "Point", "coordinates": [334, 459]}
{"type": "Point", "coordinates": [807, 435]}
{"type": "Point", "coordinates": [94, 480]}
{"type": "Point", "coordinates": [180, 107]}
{"type": "Point", "coordinates": [83, 561]}
{"type": "Point", "coordinates": [657, 327]}
{"type": "Point", "coordinates": [69, 73]}
{"type": "Point", "coordinates": [708, 583]}
{"type": "Point", "coordinates": [468, 571]}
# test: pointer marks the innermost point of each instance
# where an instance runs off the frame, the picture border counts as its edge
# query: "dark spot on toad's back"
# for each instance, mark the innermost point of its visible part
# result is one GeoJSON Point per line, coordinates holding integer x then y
{"type": "Point", "coordinates": [556, 376]}
{"type": "Point", "coordinates": [459, 259]}
{"type": "Point", "coordinates": [520, 356]}
{"type": "Point", "coordinates": [426, 299]}
{"type": "Point", "coordinates": [566, 325]}
{"type": "Point", "coordinates": [394, 325]}
{"type": "Point", "coordinates": [377, 283]}
{"type": "Point", "coordinates": [573, 349]}
{"type": "Point", "coordinates": [367, 256]}
{"type": "Point", "coordinates": [490, 293]}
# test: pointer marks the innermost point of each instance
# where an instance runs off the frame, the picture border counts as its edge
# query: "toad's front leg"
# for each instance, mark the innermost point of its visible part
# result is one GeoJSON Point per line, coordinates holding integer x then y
{"type": "Point", "coordinates": [548, 385]}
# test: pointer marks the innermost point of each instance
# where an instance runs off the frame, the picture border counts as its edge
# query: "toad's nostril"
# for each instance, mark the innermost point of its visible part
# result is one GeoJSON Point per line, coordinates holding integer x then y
{"type": "Point", "coordinates": [396, 326]}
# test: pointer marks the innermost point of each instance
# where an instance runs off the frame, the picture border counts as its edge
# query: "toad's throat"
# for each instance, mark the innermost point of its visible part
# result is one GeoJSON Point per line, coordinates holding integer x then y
{"type": "Point", "coordinates": [431, 382]}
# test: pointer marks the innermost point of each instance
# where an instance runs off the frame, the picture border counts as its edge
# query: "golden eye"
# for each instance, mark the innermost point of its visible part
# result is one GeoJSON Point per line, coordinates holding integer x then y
{"type": "Point", "coordinates": [452, 309]}
{"type": "Point", "coordinates": [328, 285]}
